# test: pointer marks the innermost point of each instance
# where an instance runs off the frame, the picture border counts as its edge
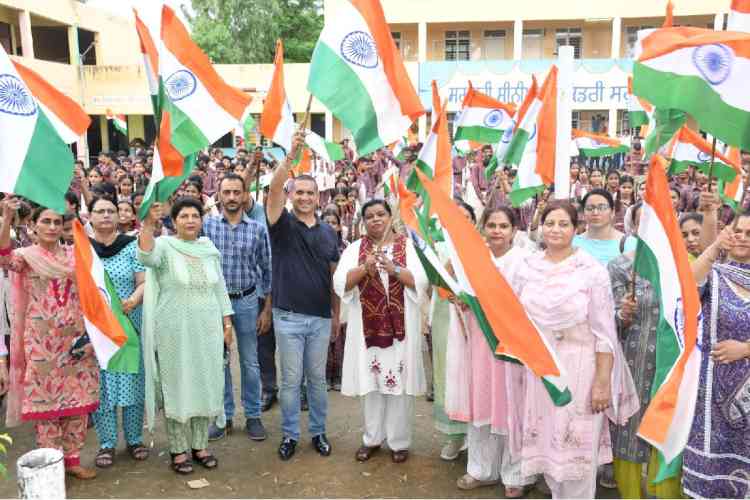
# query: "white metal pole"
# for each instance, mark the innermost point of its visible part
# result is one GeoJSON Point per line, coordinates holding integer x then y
{"type": "Point", "coordinates": [564, 121]}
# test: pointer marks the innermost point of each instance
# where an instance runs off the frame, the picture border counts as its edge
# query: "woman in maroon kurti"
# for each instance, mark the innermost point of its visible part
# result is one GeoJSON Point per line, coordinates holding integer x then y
{"type": "Point", "coordinates": [50, 384]}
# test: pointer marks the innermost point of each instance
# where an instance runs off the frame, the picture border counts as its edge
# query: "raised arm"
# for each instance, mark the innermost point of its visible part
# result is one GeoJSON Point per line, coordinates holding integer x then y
{"type": "Point", "coordinates": [702, 265]}
{"type": "Point", "coordinates": [276, 197]}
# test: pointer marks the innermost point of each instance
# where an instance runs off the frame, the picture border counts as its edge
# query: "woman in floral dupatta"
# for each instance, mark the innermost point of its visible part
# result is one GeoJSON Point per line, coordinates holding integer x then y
{"type": "Point", "coordinates": [49, 385]}
{"type": "Point", "coordinates": [716, 461]}
{"type": "Point", "coordinates": [382, 283]}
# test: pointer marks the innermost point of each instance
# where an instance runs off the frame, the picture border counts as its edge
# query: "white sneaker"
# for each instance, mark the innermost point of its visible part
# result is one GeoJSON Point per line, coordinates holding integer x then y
{"type": "Point", "coordinates": [453, 448]}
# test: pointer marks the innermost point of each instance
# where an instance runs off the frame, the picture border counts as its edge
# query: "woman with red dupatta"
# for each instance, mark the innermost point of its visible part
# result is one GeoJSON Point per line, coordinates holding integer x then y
{"type": "Point", "coordinates": [381, 281]}
{"type": "Point", "coordinates": [51, 383]}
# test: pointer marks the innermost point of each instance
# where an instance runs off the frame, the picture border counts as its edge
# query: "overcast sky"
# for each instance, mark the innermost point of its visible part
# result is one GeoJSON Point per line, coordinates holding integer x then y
{"type": "Point", "coordinates": [125, 7]}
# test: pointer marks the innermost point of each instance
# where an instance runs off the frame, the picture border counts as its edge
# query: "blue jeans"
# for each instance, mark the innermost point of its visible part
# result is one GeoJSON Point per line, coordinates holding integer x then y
{"type": "Point", "coordinates": [302, 341]}
{"type": "Point", "coordinates": [244, 320]}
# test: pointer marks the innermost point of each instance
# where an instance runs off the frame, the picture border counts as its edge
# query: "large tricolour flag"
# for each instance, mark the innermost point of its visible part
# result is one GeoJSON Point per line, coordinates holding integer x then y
{"type": "Point", "coordinates": [483, 119]}
{"type": "Point", "coordinates": [596, 145]}
{"type": "Point", "coordinates": [661, 258]}
{"type": "Point", "coordinates": [701, 72]}
{"type": "Point", "coordinates": [37, 122]}
{"type": "Point", "coordinates": [739, 16]}
{"type": "Point", "coordinates": [357, 73]}
{"type": "Point", "coordinates": [533, 145]}
{"type": "Point", "coordinates": [112, 335]}
{"type": "Point", "coordinates": [277, 120]}
{"type": "Point", "coordinates": [482, 287]}
{"type": "Point", "coordinates": [326, 151]}
{"type": "Point", "coordinates": [689, 148]}
{"type": "Point", "coordinates": [193, 106]}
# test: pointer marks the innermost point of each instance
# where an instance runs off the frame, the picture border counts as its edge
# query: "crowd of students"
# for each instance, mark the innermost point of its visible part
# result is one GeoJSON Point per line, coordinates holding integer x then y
{"type": "Point", "coordinates": [321, 269]}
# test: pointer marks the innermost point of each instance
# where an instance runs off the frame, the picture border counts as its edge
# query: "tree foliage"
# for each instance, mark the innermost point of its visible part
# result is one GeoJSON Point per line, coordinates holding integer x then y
{"type": "Point", "coordinates": [245, 31]}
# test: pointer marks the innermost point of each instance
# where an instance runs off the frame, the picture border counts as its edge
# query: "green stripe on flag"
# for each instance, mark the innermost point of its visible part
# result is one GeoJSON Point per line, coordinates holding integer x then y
{"type": "Point", "coordinates": [721, 171]}
{"type": "Point", "coordinates": [127, 359]}
{"type": "Point", "coordinates": [517, 146]}
{"type": "Point", "coordinates": [606, 151]}
{"type": "Point", "coordinates": [559, 398]}
{"type": "Point", "coordinates": [335, 151]}
{"type": "Point", "coordinates": [348, 99]}
{"type": "Point", "coordinates": [489, 170]}
{"type": "Point", "coordinates": [519, 195]}
{"type": "Point", "coordinates": [47, 168]}
{"type": "Point", "coordinates": [667, 346]}
{"type": "Point", "coordinates": [668, 122]}
{"type": "Point", "coordinates": [163, 189]}
{"type": "Point", "coordinates": [637, 118]}
{"type": "Point", "coordinates": [120, 128]}
{"type": "Point", "coordinates": [695, 96]}
{"type": "Point", "coordinates": [186, 137]}
{"type": "Point", "coordinates": [247, 127]}
{"type": "Point", "coordinates": [478, 133]}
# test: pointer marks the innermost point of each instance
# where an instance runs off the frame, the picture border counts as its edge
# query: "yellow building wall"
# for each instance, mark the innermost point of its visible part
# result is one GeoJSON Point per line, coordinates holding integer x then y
{"type": "Point", "coordinates": [436, 38]}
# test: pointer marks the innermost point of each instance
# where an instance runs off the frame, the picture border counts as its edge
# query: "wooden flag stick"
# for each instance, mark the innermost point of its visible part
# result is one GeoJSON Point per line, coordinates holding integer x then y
{"type": "Point", "coordinates": [303, 125]}
{"type": "Point", "coordinates": [711, 165]}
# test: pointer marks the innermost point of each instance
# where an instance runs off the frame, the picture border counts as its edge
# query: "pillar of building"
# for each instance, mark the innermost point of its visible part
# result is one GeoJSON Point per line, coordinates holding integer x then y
{"type": "Point", "coordinates": [329, 126]}
{"type": "Point", "coordinates": [719, 22]}
{"type": "Point", "coordinates": [27, 39]}
{"type": "Point", "coordinates": [422, 42]}
{"type": "Point", "coordinates": [73, 49]}
{"type": "Point", "coordinates": [518, 39]}
{"type": "Point", "coordinates": [616, 37]}
{"type": "Point", "coordinates": [104, 131]}
{"type": "Point", "coordinates": [612, 126]}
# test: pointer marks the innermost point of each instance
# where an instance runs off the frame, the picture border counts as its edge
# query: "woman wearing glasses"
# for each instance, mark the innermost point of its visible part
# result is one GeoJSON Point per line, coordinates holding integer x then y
{"type": "Point", "coordinates": [118, 253]}
{"type": "Point", "coordinates": [601, 240]}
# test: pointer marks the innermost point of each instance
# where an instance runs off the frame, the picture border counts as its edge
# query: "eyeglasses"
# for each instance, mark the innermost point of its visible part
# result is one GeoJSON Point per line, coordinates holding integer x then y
{"type": "Point", "coordinates": [102, 211]}
{"type": "Point", "coordinates": [596, 208]}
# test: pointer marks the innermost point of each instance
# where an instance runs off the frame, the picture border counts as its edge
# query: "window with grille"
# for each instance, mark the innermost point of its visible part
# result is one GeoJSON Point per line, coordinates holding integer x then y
{"type": "Point", "coordinates": [457, 45]}
{"type": "Point", "coordinates": [494, 44]}
{"type": "Point", "coordinates": [533, 44]}
{"type": "Point", "coordinates": [623, 122]}
{"type": "Point", "coordinates": [631, 38]}
{"type": "Point", "coordinates": [576, 119]}
{"type": "Point", "coordinates": [451, 122]}
{"type": "Point", "coordinates": [570, 36]}
{"type": "Point", "coordinates": [396, 35]}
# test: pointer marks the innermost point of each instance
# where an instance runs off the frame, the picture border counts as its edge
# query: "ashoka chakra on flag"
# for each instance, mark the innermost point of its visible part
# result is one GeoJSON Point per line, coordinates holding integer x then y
{"type": "Point", "coordinates": [180, 84]}
{"type": "Point", "coordinates": [14, 98]}
{"type": "Point", "coordinates": [359, 48]}
{"type": "Point", "coordinates": [714, 62]}
{"type": "Point", "coordinates": [494, 118]}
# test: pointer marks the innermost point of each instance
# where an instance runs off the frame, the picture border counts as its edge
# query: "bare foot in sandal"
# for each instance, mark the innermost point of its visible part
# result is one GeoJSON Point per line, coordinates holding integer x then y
{"type": "Point", "coordinates": [181, 463]}
{"type": "Point", "coordinates": [105, 458]}
{"type": "Point", "coordinates": [138, 451]}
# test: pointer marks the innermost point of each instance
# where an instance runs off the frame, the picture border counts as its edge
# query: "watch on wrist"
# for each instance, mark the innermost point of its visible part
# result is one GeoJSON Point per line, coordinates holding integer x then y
{"type": "Point", "coordinates": [397, 271]}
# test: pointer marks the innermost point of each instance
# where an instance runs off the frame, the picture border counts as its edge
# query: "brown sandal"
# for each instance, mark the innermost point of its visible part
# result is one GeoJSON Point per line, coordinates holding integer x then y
{"type": "Point", "coordinates": [399, 456]}
{"type": "Point", "coordinates": [365, 452]}
{"type": "Point", "coordinates": [184, 467]}
{"type": "Point", "coordinates": [105, 457]}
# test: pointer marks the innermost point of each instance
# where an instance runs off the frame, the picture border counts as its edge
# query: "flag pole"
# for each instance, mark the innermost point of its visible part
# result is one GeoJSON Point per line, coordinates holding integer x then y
{"type": "Point", "coordinates": [711, 165]}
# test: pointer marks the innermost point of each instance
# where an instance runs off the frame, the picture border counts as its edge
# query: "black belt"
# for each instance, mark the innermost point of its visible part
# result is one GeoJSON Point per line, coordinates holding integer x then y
{"type": "Point", "coordinates": [243, 293]}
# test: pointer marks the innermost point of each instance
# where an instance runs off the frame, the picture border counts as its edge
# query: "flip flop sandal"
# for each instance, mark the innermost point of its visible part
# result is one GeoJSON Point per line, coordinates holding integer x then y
{"type": "Point", "coordinates": [208, 461]}
{"type": "Point", "coordinates": [105, 457]}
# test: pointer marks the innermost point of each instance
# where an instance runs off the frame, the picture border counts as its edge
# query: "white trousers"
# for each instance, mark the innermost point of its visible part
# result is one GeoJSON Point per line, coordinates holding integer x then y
{"type": "Point", "coordinates": [388, 418]}
{"type": "Point", "coordinates": [489, 458]}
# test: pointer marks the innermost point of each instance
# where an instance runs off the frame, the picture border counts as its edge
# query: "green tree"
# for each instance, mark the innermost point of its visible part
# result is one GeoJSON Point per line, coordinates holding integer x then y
{"type": "Point", "coordinates": [245, 31]}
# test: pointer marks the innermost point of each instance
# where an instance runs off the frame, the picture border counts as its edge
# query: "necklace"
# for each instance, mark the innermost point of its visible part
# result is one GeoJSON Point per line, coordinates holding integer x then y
{"type": "Point", "coordinates": [61, 301]}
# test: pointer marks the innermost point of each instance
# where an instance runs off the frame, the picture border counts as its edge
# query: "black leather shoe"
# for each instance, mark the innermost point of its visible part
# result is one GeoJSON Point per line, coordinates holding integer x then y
{"type": "Point", "coordinates": [321, 444]}
{"type": "Point", "coordinates": [267, 401]}
{"type": "Point", "coordinates": [287, 448]}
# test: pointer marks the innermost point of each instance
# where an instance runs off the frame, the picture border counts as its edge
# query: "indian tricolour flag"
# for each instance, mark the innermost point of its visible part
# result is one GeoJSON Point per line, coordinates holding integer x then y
{"type": "Point", "coordinates": [533, 145]}
{"type": "Point", "coordinates": [357, 73]}
{"type": "Point", "coordinates": [193, 106]}
{"type": "Point", "coordinates": [37, 122]}
{"type": "Point", "coordinates": [731, 193]}
{"type": "Point", "coordinates": [596, 145]}
{"type": "Point", "coordinates": [508, 330]}
{"type": "Point", "coordinates": [638, 109]}
{"type": "Point", "coordinates": [701, 72]}
{"type": "Point", "coordinates": [277, 120]}
{"type": "Point", "coordinates": [435, 159]}
{"type": "Point", "coordinates": [329, 152]}
{"type": "Point", "coordinates": [390, 180]}
{"type": "Point", "coordinates": [739, 16]}
{"type": "Point", "coordinates": [397, 148]}
{"type": "Point", "coordinates": [112, 335]}
{"type": "Point", "coordinates": [483, 119]}
{"type": "Point", "coordinates": [661, 258]}
{"type": "Point", "coordinates": [120, 122]}
{"type": "Point", "coordinates": [689, 148]}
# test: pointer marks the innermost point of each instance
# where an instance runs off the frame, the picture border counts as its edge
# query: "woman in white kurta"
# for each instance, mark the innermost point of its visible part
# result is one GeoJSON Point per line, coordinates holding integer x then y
{"type": "Point", "coordinates": [381, 281]}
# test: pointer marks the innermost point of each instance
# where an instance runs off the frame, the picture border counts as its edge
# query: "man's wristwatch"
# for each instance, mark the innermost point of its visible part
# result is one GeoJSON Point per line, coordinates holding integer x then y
{"type": "Point", "coordinates": [397, 271]}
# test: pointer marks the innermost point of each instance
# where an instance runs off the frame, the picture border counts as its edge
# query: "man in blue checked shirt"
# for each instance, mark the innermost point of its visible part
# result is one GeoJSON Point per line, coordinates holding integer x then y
{"type": "Point", "coordinates": [246, 263]}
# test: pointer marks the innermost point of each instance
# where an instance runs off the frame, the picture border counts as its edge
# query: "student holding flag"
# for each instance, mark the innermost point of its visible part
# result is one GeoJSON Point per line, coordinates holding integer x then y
{"type": "Point", "coordinates": [382, 282]}
{"type": "Point", "coordinates": [567, 294]}
{"type": "Point", "coordinates": [50, 384]}
{"type": "Point", "coordinates": [126, 390]}
{"type": "Point", "coordinates": [717, 457]}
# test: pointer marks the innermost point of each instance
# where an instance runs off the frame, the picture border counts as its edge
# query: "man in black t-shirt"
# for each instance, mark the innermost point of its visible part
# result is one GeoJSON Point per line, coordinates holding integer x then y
{"type": "Point", "coordinates": [305, 308]}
